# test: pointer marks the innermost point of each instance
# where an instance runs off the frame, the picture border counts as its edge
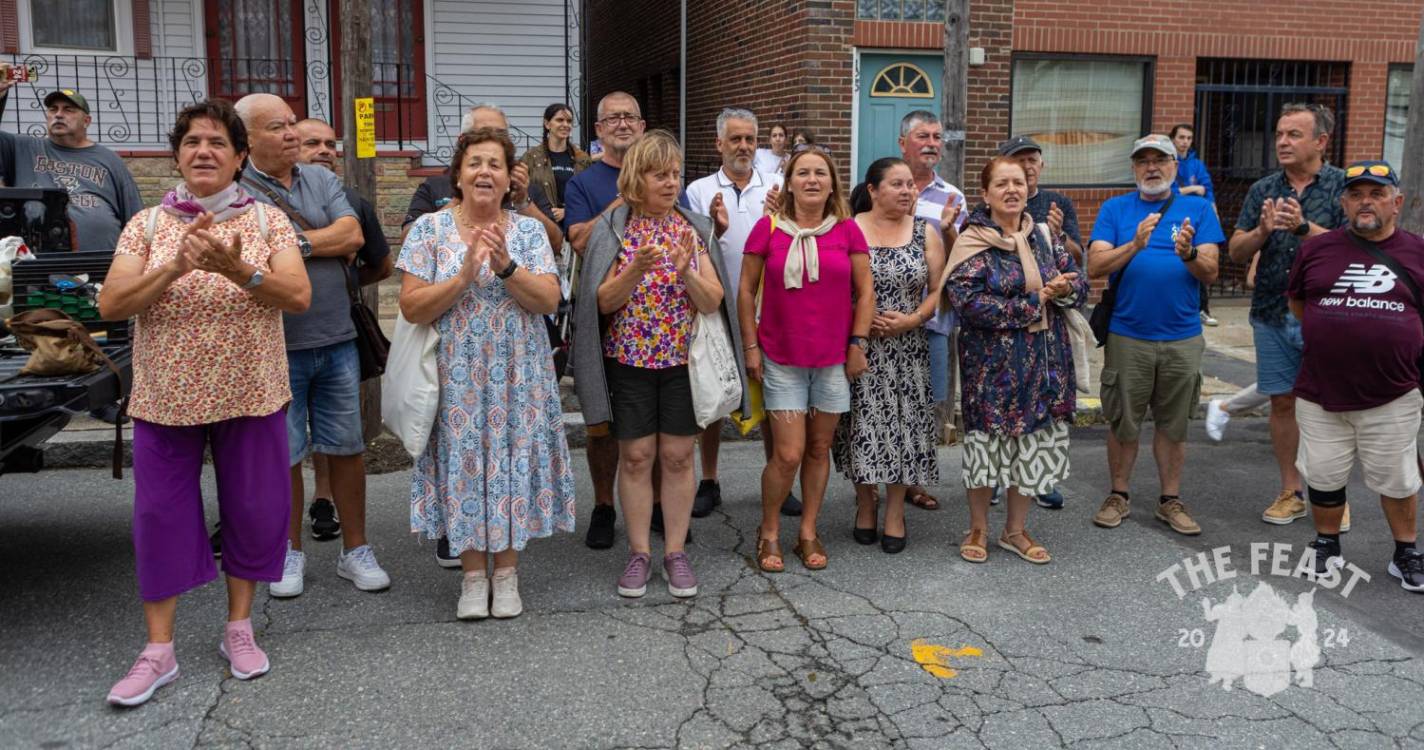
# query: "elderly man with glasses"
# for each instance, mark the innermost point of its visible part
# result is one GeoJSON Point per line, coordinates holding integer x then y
{"type": "Point", "coordinates": [1157, 247]}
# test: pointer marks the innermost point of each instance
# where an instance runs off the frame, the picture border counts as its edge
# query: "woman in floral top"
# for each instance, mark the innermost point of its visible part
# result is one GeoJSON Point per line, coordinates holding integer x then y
{"type": "Point", "coordinates": [208, 275]}
{"type": "Point", "coordinates": [648, 267]}
{"type": "Point", "coordinates": [1010, 288]}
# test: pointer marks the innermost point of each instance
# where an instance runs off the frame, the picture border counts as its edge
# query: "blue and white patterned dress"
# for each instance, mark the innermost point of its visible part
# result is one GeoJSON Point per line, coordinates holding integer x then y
{"type": "Point", "coordinates": [496, 472]}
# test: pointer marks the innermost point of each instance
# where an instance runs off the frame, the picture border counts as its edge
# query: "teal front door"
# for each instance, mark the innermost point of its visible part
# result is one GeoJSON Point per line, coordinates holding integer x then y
{"type": "Point", "coordinates": [891, 86]}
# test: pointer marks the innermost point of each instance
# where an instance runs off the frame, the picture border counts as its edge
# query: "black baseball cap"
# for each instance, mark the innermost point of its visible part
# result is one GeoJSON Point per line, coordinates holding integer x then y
{"type": "Point", "coordinates": [69, 95]}
{"type": "Point", "coordinates": [1018, 144]}
{"type": "Point", "coordinates": [1376, 171]}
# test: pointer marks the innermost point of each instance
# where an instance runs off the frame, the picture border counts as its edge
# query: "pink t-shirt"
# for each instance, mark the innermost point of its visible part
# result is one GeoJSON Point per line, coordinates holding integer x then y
{"type": "Point", "coordinates": [806, 327]}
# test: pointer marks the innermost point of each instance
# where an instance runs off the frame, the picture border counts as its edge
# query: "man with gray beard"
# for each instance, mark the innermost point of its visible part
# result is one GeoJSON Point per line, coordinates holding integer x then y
{"type": "Point", "coordinates": [1157, 248]}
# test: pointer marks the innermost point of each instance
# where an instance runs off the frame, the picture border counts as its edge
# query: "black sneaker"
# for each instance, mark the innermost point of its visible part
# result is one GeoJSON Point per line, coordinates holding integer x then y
{"type": "Point", "coordinates": [600, 527]}
{"type": "Point", "coordinates": [324, 526]}
{"type": "Point", "coordinates": [443, 558]}
{"type": "Point", "coordinates": [1327, 557]}
{"type": "Point", "coordinates": [658, 523]}
{"type": "Point", "coordinates": [1409, 569]}
{"type": "Point", "coordinates": [791, 506]}
{"type": "Point", "coordinates": [709, 496]}
{"type": "Point", "coordinates": [216, 540]}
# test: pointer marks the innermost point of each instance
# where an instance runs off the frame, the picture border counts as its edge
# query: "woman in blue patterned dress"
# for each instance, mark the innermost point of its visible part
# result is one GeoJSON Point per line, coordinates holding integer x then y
{"type": "Point", "coordinates": [1010, 287]}
{"type": "Point", "coordinates": [496, 472]}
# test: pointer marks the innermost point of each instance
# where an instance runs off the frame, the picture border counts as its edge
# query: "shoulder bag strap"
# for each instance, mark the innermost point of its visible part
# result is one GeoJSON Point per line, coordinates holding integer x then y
{"type": "Point", "coordinates": [1389, 262]}
{"type": "Point", "coordinates": [150, 227]}
{"type": "Point", "coordinates": [280, 202]}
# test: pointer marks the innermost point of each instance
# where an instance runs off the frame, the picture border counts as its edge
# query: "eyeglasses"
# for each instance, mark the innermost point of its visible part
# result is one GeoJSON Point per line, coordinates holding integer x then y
{"type": "Point", "coordinates": [613, 120]}
{"type": "Point", "coordinates": [1378, 170]}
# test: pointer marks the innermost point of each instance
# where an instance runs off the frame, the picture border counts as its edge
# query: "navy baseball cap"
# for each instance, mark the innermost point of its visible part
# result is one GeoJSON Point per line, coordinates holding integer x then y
{"type": "Point", "coordinates": [1378, 172]}
{"type": "Point", "coordinates": [1019, 144]}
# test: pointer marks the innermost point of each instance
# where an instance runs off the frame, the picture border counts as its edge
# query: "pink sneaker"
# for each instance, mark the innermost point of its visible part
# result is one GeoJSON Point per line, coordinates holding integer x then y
{"type": "Point", "coordinates": [156, 666]}
{"type": "Point", "coordinates": [243, 656]}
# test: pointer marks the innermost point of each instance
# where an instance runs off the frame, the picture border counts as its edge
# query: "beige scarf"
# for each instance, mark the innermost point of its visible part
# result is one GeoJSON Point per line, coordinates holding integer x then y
{"type": "Point", "coordinates": [804, 255]}
{"type": "Point", "coordinates": [976, 239]}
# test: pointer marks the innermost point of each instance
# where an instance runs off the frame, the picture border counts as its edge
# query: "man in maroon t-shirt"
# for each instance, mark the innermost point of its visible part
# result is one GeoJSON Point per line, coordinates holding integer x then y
{"type": "Point", "coordinates": [1358, 388]}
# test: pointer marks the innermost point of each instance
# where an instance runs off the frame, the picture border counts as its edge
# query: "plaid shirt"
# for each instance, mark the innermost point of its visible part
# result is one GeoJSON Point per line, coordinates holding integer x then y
{"type": "Point", "coordinates": [1320, 203]}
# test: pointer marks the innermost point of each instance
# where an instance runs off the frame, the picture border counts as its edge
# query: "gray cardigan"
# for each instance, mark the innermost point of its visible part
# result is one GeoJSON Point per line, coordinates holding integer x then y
{"type": "Point", "coordinates": [604, 245]}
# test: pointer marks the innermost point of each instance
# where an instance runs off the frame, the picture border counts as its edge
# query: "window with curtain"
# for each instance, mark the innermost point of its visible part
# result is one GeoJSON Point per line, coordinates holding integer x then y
{"type": "Point", "coordinates": [900, 10]}
{"type": "Point", "coordinates": [73, 24]}
{"type": "Point", "coordinates": [1085, 113]}
{"type": "Point", "coordinates": [1396, 114]}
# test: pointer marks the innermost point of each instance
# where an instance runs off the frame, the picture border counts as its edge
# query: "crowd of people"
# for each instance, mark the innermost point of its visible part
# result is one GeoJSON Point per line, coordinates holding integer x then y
{"type": "Point", "coordinates": [852, 313]}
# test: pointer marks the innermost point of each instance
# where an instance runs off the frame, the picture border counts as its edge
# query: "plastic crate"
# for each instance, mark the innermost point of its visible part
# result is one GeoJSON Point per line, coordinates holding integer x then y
{"type": "Point", "coordinates": [32, 290]}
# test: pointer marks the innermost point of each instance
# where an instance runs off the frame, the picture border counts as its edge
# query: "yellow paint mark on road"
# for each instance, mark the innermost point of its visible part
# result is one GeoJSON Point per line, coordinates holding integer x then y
{"type": "Point", "coordinates": [934, 658]}
{"type": "Point", "coordinates": [1089, 402]}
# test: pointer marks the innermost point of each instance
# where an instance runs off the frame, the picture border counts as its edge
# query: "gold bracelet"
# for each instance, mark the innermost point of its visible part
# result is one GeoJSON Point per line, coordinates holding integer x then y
{"type": "Point", "coordinates": [749, 348]}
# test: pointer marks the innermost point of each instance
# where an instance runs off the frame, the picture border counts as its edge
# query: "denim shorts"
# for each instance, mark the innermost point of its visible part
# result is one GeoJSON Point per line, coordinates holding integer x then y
{"type": "Point", "coordinates": [1278, 350]}
{"type": "Point", "coordinates": [326, 396]}
{"type": "Point", "coordinates": [799, 389]}
{"type": "Point", "coordinates": [939, 365]}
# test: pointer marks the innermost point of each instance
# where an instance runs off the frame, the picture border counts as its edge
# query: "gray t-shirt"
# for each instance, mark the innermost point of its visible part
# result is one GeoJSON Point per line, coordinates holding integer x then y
{"type": "Point", "coordinates": [102, 193]}
{"type": "Point", "coordinates": [317, 195]}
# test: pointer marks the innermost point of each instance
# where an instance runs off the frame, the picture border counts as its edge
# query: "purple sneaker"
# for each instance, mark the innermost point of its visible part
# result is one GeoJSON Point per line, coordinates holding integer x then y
{"type": "Point", "coordinates": [244, 657]}
{"type": "Point", "coordinates": [680, 579]}
{"type": "Point", "coordinates": [634, 582]}
{"type": "Point", "coordinates": [156, 667]}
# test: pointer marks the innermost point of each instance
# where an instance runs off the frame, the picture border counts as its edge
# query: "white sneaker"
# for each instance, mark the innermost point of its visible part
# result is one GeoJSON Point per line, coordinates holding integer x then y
{"type": "Point", "coordinates": [474, 598]}
{"type": "Point", "coordinates": [1207, 320]}
{"type": "Point", "coordinates": [294, 570]}
{"type": "Point", "coordinates": [359, 566]}
{"type": "Point", "coordinates": [1216, 419]}
{"type": "Point", "coordinates": [506, 594]}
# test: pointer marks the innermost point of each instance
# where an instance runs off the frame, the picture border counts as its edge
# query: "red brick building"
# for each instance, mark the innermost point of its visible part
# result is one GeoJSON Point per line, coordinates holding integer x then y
{"type": "Point", "coordinates": [1084, 79]}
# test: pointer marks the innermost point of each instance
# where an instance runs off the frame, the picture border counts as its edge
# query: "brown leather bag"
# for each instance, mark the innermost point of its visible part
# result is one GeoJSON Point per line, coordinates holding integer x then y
{"type": "Point", "coordinates": [60, 345]}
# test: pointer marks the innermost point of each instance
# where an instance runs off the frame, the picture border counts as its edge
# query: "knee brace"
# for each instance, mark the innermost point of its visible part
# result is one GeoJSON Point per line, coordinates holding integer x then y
{"type": "Point", "coordinates": [1327, 498]}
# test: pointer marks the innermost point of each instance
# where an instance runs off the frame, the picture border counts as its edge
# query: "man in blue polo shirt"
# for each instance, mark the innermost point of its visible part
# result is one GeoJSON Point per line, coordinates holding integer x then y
{"type": "Point", "coordinates": [1157, 247]}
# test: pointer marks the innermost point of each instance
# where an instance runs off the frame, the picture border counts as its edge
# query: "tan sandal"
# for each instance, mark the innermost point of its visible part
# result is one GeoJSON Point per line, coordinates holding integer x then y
{"type": "Point", "coordinates": [769, 554]}
{"type": "Point", "coordinates": [807, 547]}
{"type": "Point", "coordinates": [975, 547]}
{"type": "Point", "coordinates": [1034, 552]}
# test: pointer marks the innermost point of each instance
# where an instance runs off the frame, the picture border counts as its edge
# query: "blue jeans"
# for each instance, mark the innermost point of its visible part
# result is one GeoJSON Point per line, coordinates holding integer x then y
{"type": "Point", "coordinates": [939, 365]}
{"type": "Point", "coordinates": [326, 397]}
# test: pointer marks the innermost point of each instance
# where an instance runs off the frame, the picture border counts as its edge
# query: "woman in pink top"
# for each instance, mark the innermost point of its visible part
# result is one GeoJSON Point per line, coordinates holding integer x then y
{"type": "Point", "coordinates": [804, 337]}
{"type": "Point", "coordinates": [208, 274]}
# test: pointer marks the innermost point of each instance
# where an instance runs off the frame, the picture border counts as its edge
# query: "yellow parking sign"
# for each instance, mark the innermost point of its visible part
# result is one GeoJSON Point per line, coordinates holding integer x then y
{"type": "Point", "coordinates": [365, 128]}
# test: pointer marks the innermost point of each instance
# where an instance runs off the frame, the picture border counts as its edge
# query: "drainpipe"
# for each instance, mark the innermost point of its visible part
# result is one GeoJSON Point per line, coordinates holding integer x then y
{"type": "Point", "coordinates": [682, 84]}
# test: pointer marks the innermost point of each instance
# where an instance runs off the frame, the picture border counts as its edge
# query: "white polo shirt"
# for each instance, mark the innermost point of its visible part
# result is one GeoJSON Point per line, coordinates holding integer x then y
{"type": "Point", "coordinates": [743, 212]}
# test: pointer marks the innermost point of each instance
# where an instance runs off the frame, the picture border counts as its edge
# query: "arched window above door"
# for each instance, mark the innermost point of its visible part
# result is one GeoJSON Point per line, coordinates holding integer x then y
{"type": "Point", "coordinates": [903, 80]}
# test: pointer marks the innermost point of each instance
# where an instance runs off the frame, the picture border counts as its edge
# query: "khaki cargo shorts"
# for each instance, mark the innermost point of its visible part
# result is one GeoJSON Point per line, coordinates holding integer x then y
{"type": "Point", "coordinates": [1165, 375]}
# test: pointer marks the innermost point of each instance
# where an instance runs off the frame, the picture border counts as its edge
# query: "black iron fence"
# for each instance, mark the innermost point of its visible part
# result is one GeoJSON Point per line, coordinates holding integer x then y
{"type": "Point", "coordinates": [134, 101]}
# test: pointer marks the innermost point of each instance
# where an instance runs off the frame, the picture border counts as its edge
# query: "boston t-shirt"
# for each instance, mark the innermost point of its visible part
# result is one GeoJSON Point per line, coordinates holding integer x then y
{"type": "Point", "coordinates": [1361, 325]}
{"type": "Point", "coordinates": [1157, 297]}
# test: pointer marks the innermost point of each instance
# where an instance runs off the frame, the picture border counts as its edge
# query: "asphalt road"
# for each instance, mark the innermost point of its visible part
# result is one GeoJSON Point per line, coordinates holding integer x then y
{"type": "Point", "coordinates": [1090, 651]}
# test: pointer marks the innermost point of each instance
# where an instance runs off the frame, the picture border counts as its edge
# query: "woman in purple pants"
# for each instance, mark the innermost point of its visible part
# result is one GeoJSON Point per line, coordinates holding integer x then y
{"type": "Point", "coordinates": [208, 275]}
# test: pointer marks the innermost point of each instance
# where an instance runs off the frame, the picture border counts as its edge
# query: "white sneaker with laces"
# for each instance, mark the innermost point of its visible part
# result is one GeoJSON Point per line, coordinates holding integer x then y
{"type": "Point", "coordinates": [294, 570]}
{"type": "Point", "coordinates": [359, 566]}
{"type": "Point", "coordinates": [506, 594]}
{"type": "Point", "coordinates": [474, 598]}
{"type": "Point", "coordinates": [1216, 419]}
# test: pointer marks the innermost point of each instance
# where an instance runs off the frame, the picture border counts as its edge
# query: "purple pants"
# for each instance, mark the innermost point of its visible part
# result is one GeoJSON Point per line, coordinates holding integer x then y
{"type": "Point", "coordinates": [171, 546]}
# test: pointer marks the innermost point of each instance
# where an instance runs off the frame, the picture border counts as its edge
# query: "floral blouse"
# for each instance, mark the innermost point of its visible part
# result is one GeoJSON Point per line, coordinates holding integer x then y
{"type": "Point", "coordinates": [653, 329]}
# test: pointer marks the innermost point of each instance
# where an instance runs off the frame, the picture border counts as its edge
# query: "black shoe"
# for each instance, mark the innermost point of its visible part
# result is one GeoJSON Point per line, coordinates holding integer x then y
{"type": "Point", "coordinates": [791, 506]}
{"type": "Point", "coordinates": [1409, 569]}
{"type": "Point", "coordinates": [443, 558]}
{"type": "Point", "coordinates": [1327, 557]}
{"type": "Point", "coordinates": [600, 527]}
{"type": "Point", "coordinates": [892, 545]}
{"type": "Point", "coordinates": [216, 541]}
{"type": "Point", "coordinates": [865, 536]}
{"type": "Point", "coordinates": [658, 523]}
{"type": "Point", "coordinates": [324, 526]}
{"type": "Point", "coordinates": [709, 496]}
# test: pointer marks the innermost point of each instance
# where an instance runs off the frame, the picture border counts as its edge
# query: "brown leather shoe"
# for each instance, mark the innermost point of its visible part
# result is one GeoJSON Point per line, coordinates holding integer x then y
{"type": "Point", "coordinates": [1174, 514]}
{"type": "Point", "coordinates": [1115, 508]}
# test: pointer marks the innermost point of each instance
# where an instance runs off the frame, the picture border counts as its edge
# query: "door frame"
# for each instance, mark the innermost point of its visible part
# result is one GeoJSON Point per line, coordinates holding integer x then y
{"type": "Point", "coordinates": [414, 105]}
{"type": "Point", "coordinates": [857, 80]}
{"type": "Point", "coordinates": [212, 48]}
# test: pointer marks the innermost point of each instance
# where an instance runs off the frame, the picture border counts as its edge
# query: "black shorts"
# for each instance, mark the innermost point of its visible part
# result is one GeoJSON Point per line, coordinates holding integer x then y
{"type": "Point", "coordinates": [647, 402]}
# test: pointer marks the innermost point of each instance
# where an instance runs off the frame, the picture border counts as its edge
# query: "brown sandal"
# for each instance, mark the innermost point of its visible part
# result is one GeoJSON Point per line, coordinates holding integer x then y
{"type": "Point", "coordinates": [975, 547]}
{"type": "Point", "coordinates": [769, 553]}
{"type": "Point", "coordinates": [922, 500]}
{"type": "Point", "coordinates": [807, 547]}
{"type": "Point", "coordinates": [1034, 552]}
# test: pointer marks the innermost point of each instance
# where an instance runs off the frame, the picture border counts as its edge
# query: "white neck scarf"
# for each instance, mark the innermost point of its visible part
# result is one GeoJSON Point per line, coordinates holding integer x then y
{"type": "Point", "coordinates": [804, 255]}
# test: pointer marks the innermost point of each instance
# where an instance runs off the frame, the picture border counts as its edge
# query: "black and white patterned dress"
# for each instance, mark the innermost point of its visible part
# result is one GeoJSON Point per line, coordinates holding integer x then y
{"type": "Point", "coordinates": [888, 436]}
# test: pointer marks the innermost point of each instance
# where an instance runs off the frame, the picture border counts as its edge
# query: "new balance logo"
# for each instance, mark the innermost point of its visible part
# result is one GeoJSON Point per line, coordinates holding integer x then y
{"type": "Point", "coordinates": [1376, 279]}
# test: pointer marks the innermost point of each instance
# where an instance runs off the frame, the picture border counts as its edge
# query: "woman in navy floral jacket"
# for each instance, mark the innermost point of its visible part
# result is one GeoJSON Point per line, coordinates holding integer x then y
{"type": "Point", "coordinates": [1010, 284]}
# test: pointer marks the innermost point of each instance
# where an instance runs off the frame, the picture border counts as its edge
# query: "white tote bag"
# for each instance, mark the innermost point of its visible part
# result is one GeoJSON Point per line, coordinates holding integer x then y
{"type": "Point", "coordinates": [712, 368]}
{"type": "Point", "coordinates": [410, 389]}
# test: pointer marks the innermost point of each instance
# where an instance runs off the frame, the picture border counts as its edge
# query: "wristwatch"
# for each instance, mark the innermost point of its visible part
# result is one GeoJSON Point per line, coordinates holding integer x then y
{"type": "Point", "coordinates": [508, 270]}
{"type": "Point", "coordinates": [859, 341]}
{"type": "Point", "coordinates": [305, 245]}
{"type": "Point", "coordinates": [255, 281]}
{"type": "Point", "coordinates": [1301, 229]}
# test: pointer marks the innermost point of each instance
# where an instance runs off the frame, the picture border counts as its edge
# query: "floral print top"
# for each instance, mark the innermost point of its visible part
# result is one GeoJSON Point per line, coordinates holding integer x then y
{"type": "Point", "coordinates": [653, 329]}
{"type": "Point", "coordinates": [207, 351]}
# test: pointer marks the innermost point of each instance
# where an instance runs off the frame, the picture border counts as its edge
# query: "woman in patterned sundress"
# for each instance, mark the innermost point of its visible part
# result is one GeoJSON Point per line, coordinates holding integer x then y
{"type": "Point", "coordinates": [888, 436]}
{"type": "Point", "coordinates": [496, 472]}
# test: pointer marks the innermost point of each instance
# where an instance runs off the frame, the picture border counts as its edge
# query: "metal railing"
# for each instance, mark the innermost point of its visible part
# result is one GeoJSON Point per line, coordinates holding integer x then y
{"type": "Point", "coordinates": [134, 101]}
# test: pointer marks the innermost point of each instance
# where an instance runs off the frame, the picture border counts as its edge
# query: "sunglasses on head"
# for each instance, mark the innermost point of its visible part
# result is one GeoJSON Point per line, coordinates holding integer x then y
{"type": "Point", "coordinates": [1378, 170]}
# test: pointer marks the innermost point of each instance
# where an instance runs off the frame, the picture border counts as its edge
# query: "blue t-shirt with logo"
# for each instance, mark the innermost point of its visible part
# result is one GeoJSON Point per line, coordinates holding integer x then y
{"type": "Point", "coordinates": [1157, 298]}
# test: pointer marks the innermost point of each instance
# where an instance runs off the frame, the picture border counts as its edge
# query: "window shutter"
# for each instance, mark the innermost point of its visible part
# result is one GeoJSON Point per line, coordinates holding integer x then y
{"type": "Point", "coordinates": [9, 27]}
{"type": "Point", "coordinates": [142, 29]}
